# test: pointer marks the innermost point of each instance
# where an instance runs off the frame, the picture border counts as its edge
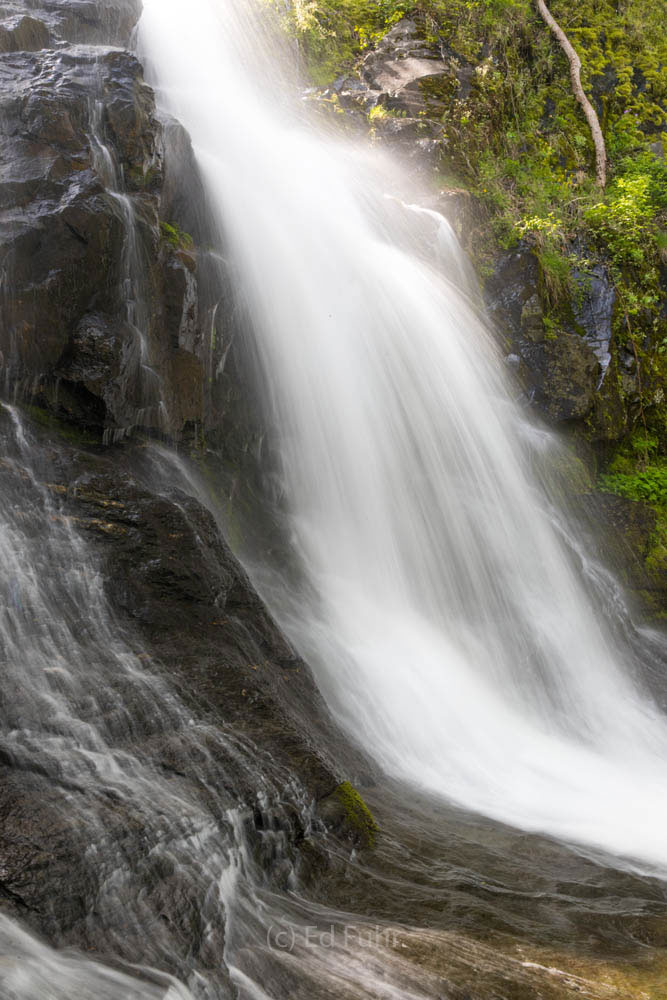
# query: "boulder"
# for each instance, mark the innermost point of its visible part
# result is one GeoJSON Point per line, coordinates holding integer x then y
{"type": "Point", "coordinates": [409, 74]}
{"type": "Point", "coordinates": [558, 368]}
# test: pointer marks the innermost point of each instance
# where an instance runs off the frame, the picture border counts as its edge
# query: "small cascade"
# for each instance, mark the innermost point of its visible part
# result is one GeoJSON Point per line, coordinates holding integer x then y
{"type": "Point", "coordinates": [31, 969]}
{"type": "Point", "coordinates": [179, 874]}
{"type": "Point", "coordinates": [78, 704]}
{"type": "Point", "coordinates": [139, 378]}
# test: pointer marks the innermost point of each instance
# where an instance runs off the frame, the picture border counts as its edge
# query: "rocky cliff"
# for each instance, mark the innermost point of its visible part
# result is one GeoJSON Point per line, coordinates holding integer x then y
{"type": "Point", "coordinates": [115, 334]}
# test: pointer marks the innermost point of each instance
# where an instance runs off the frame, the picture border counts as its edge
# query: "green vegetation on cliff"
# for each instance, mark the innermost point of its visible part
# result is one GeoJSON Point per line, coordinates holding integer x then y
{"type": "Point", "coordinates": [174, 236]}
{"type": "Point", "coordinates": [518, 141]}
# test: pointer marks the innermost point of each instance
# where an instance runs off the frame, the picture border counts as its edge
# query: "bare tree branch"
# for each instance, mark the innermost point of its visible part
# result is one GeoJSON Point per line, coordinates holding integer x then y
{"type": "Point", "coordinates": [579, 93]}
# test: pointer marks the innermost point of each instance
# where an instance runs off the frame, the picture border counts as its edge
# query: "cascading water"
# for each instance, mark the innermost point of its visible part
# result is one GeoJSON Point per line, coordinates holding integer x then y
{"type": "Point", "coordinates": [450, 631]}
{"type": "Point", "coordinates": [140, 380]}
{"type": "Point", "coordinates": [173, 892]}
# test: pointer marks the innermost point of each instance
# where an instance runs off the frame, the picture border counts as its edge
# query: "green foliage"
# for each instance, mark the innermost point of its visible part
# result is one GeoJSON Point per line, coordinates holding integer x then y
{"type": "Point", "coordinates": [174, 236]}
{"type": "Point", "coordinates": [557, 284]}
{"type": "Point", "coordinates": [649, 485]}
{"type": "Point", "coordinates": [380, 112]}
{"type": "Point", "coordinates": [331, 35]}
{"type": "Point", "coordinates": [625, 220]}
{"type": "Point", "coordinates": [638, 470]}
{"type": "Point", "coordinates": [518, 140]}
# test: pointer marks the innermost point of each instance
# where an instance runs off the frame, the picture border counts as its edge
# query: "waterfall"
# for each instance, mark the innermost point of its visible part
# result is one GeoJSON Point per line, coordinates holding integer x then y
{"type": "Point", "coordinates": [173, 863]}
{"type": "Point", "coordinates": [451, 630]}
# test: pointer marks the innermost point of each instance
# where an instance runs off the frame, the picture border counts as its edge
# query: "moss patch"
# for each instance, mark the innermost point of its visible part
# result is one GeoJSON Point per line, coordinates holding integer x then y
{"type": "Point", "coordinates": [358, 816]}
{"type": "Point", "coordinates": [174, 236]}
{"type": "Point", "coordinates": [637, 471]}
{"type": "Point", "coordinates": [67, 432]}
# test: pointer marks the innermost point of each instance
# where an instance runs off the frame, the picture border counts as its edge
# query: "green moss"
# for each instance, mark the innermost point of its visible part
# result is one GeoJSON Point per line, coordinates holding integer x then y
{"type": "Point", "coordinates": [556, 281]}
{"type": "Point", "coordinates": [174, 236]}
{"type": "Point", "coordinates": [656, 560]}
{"type": "Point", "coordinates": [380, 112]}
{"type": "Point", "coordinates": [357, 814]}
{"type": "Point", "coordinates": [332, 35]}
{"type": "Point", "coordinates": [638, 472]}
{"type": "Point", "coordinates": [67, 432]}
{"type": "Point", "coordinates": [143, 180]}
{"type": "Point", "coordinates": [571, 474]}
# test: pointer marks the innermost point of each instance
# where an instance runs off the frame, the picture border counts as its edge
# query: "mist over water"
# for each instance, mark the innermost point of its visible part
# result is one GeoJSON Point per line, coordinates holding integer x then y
{"type": "Point", "coordinates": [451, 632]}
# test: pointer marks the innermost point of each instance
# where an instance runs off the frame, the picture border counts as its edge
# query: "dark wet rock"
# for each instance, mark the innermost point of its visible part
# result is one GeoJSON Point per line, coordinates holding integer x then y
{"type": "Point", "coordinates": [611, 415]}
{"type": "Point", "coordinates": [37, 844]}
{"type": "Point", "coordinates": [558, 368]}
{"type": "Point", "coordinates": [252, 718]}
{"type": "Point", "coordinates": [22, 33]}
{"type": "Point", "coordinates": [59, 232]}
{"type": "Point", "coordinates": [171, 574]}
{"type": "Point", "coordinates": [52, 880]}
{"type": "Point", "coordinates": [91, 22]}
{"type": "Point", "coordinates": [564, 373]}
{"type": "Point", "coordinates": [182, 196]}
{"type": "Point", "coordinates": [631, 545]}
{"type": "Point", "coordinates": [130, 125]}
{"type": "Point", "coordinates": [532, 319]}
{"type": "Point", "coordinates": [81, 239]}
{"type": "Point", "coordinates": [594, 311]}
{"type": "Point", "coordinates": [114, 319]}
{"type": "Point", "coordinates": [514, 282]}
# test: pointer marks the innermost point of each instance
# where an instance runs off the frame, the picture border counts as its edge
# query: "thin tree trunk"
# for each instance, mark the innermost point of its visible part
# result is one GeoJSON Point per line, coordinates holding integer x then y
{"type": "Point", "coordinates": [575, 77]}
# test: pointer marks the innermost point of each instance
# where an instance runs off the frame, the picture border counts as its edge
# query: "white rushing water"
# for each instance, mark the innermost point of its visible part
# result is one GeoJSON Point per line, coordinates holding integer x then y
{"type": "Point", "coordinates": [451, 632]}
{"type": "Point", "coordinates": [161, 860]}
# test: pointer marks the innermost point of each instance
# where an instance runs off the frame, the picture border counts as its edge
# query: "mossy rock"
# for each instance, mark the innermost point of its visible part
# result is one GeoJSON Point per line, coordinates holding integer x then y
{"type": "Point", "coordinates": [347, 815]}
{"type": "Point", "coordinates": [175, 238]}
{"type": "Point", "coordinates": [67, 431]}
{"type": "Point", "coordinates": [569, 473]}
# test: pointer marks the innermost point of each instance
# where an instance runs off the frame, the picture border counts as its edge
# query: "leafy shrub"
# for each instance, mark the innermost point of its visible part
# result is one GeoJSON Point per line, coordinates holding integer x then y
{"type": "Point", "coordinates": [175, 237]}
{"type": "Point", "coordinates": [625, 220]}
{"type": "Point", "coordinates": [649, 485]}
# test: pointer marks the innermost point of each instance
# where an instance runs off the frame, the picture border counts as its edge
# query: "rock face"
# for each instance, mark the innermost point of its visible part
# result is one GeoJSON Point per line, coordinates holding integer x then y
{"type": "Point", "coordinates": [633, 546]}
{"type": "Point", "coordinates": [404, 83]}
{"type": "Point", "coordinates": [98, 314]}
{"type": "Point", "coordinates": [36, 24]}
{"type": "Point", "coordinates": [566, 369]}
{"type": "Point", "coordinates": [215, 698]}
{"type": "Point", "coordinates": [113, 322]}
{"type": "Point", "coordinates": [406, 73]}
{"type": "Point", "coordinates": [170, 573]}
